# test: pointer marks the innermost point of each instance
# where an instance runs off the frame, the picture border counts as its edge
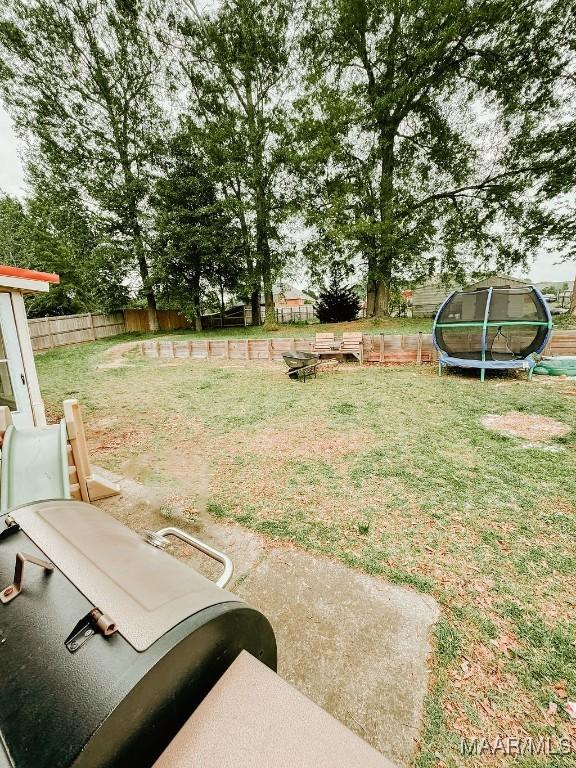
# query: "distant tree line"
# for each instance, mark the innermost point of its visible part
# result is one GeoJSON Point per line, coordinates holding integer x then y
{"type": "Point", "coordinates": [179, 156]}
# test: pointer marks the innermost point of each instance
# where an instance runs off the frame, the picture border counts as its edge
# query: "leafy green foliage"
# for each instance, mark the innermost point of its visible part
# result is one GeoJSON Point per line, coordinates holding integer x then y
{"type": "Point", "coordinates": [53, 232]}
{"type": "Point", "coordinates": [196, 246]}
{"type": "Point", "coordinates": [237, 63]}
{"type": "Point", "coordinates": [429, 135]}
{"type": "Point", "coordinates": [80, 79]}
{"type": "Point", "coordinates": [400, 139]}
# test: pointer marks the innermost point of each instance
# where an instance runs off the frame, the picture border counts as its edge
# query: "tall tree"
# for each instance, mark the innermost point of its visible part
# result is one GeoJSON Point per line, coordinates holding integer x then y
{"type": "Point", "coordinates": [197, 248]}
{"type": "Point", "coordinates": [423, 130]}
{"type": "Point", "coordinates": [80, 78]}
{"type": "Point", "coordinates": [237, 63]}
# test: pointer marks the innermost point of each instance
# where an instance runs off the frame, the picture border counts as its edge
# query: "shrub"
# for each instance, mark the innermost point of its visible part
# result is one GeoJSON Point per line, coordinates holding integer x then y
{"type": "Point", "coordinates": [338, 303]}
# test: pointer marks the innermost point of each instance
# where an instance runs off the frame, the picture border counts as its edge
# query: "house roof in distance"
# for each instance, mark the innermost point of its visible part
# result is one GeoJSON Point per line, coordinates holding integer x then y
{"type": "Point", "coordinates": [27, 280]}
{"type": "Point", "coordinates": [288, 291]}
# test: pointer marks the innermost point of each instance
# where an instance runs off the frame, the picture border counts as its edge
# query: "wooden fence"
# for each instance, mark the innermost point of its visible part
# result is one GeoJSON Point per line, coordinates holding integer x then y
{"type": "Point", "coordinates": [378, 348]}
{"type": "Point", "coordinates": [50, 332]}
{"type": "Point", "coordinates": [168, 320]}
{"type": "Point", "coordinates": [241, 316]}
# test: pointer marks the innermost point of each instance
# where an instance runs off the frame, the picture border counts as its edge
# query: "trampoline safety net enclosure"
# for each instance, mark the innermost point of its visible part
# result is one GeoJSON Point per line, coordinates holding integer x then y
{"type": "Point", "coordinates": [492, 328]}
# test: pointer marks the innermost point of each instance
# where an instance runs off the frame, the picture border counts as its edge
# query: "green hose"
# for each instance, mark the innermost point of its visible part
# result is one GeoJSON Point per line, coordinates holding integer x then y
{"type": "Point", "coordinates": [557, 366]}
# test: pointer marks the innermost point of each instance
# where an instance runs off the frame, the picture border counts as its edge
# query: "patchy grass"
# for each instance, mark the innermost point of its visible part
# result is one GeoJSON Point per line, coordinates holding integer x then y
{"type": "Point", "coordinates": [287, 330]}
{"type": "Point", "coordinates": [390, 471]}
{"type": "Point", "coordinates": [565, 322]}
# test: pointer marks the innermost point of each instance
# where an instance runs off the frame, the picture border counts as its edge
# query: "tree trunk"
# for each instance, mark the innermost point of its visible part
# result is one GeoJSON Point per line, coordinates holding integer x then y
{"type": "Point", "coordinates": [261, 207]}
{"type": "Point", "coordinates": [193, 283]}
{"type": "Point", "coordinates": [153, 324]}
{"type": "Point", "coordinates": [371, 285]}
{"type": "Point", "coordinates": [382, 300]}
{"type": "Point", "coordinates": [573, 299]}
{"type": "Point", "coordinates": [253, 277]}
{"type": "Point", "coordinates": [269, 309]}
{"type": "Point", "coordinates": [255, 305]}
{"type": "Point", "coordinates": [222, 304]}
{"type": "Point", "coordinates": [138, 245]}
{"type": "Point", "coordinates": [263, 256]}
{"type": "Point", "coordinates": [383, 273]}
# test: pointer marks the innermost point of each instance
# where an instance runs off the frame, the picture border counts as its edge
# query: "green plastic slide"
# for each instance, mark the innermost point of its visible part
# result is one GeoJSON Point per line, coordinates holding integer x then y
{"type": "Point", "coordinates": [34, 465]}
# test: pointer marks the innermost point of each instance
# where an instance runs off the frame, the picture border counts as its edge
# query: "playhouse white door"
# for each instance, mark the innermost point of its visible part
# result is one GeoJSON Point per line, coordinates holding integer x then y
{"type": "Point", "coordinates": [13, 388]}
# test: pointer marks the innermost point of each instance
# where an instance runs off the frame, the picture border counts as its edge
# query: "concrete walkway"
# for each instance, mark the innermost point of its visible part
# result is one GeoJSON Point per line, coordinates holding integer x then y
{"type": "Point", "coordinates": [355, 645]}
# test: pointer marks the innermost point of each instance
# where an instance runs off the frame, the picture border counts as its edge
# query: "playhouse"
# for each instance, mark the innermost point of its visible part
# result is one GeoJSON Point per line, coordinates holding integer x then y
{"type": "Point", "coordinates": [38, 460]}
{"type": "Point", "coordinates": [19, 388]}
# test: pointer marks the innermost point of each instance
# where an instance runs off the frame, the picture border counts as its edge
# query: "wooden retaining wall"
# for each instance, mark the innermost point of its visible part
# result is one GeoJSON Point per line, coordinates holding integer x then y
{"type": "Point", "coordinates": [378, 348]}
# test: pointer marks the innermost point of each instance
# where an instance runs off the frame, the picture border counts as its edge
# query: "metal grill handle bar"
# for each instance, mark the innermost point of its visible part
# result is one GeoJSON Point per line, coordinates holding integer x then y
{"type": "Point", "coordinates": [158, 539]}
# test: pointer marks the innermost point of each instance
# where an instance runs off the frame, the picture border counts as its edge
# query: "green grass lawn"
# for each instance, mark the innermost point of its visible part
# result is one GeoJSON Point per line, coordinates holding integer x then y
{"type": "Point", "coordinates": [286, 330]}
{"type": "Point", "coordinates": [390, 471]}
{"type": "Point", "coordinates": [390, 325]}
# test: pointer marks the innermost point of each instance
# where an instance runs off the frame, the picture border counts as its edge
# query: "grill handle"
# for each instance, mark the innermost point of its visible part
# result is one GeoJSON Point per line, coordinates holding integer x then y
{"type": "Point", "coordinates": [158, 539]}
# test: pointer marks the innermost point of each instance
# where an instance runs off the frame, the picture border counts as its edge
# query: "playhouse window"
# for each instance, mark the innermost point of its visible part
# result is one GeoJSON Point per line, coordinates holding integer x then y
{"type": "Point", "coordinates": [6, 391]}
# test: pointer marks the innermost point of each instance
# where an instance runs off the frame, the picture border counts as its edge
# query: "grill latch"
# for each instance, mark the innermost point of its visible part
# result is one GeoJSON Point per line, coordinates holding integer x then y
{"type": "Point", "coordinates": [14, 589]}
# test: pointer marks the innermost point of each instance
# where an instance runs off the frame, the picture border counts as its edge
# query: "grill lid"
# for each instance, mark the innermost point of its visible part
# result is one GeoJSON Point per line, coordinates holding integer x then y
{"type": "Point", "coordinates": [144, 590]}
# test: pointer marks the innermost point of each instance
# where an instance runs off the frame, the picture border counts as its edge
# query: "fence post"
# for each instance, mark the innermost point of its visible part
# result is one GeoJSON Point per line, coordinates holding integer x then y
{"type": "Point", "coordinates": [91, 316]}
{"type": "Point", "coordinates": [207, 349]}
{"type": "Point", "coordinates": [270, 351]}
{"type": "Point", "coordinates": [381, 347]}
{"type": "Point", "coordinates": [247, 349]}
{"type": "Point", "coordinates": [51, 335]}
{"type": "Point", "coordinates": [227, 349]}
{"type": "Point", "coordinates": [419, 351]}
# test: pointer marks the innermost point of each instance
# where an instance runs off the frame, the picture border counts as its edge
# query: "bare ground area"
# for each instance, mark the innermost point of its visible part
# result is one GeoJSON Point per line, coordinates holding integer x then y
{"type": "Point", "coordinates": [529, 426]}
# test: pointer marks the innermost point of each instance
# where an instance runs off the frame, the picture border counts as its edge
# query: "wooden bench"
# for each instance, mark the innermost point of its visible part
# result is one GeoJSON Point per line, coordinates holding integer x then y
{"type": "Point", "coordinates": [352, 344]}
{"type": "Point", "coordinates": [325, 344]}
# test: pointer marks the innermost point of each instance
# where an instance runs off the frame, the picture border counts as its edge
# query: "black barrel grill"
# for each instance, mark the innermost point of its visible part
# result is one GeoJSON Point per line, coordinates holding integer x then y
{"type": "Point", "coordinates": [110, 644]}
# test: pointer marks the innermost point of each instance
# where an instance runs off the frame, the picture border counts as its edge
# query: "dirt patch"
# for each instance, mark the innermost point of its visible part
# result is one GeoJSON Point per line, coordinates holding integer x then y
{"type": "Point", "coordinates": [526, 426]}
{"type": "Point", "coordinates": [114, 357]}
{"type": "Point", "coordinates": [301, 440]}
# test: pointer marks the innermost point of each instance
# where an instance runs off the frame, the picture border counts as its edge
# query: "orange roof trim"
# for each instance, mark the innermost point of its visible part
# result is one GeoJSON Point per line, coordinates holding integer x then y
{"type": "Point", "coordinates": [28, 274]}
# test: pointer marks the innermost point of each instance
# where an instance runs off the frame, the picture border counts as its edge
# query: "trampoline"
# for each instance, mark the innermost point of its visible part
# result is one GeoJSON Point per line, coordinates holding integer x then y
{"type": "Point", "coordinates": [492, 328]}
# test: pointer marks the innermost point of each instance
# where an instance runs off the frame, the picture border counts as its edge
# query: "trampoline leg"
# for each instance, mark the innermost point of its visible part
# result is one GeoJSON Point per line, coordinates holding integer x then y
{"type": "Point", "coordinates": [439, 369]}
{"type": "Point", "coordinates": [530, 373]}
{"type": "Point", "coordinates": [482, 374]}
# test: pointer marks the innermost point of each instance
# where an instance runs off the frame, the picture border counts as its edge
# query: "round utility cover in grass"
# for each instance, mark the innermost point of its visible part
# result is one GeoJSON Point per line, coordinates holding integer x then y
{"type": "Point", "coordinates": [525, 425]}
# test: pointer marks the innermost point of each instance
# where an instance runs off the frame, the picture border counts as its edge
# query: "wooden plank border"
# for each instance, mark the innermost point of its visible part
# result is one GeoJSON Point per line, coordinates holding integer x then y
{"type": "Point", "coordinates": [378, 348]}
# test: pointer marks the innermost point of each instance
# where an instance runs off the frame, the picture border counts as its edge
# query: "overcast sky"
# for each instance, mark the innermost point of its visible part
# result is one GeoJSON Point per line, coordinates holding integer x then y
{"type": "Point", "coordinates": [11, 181]}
